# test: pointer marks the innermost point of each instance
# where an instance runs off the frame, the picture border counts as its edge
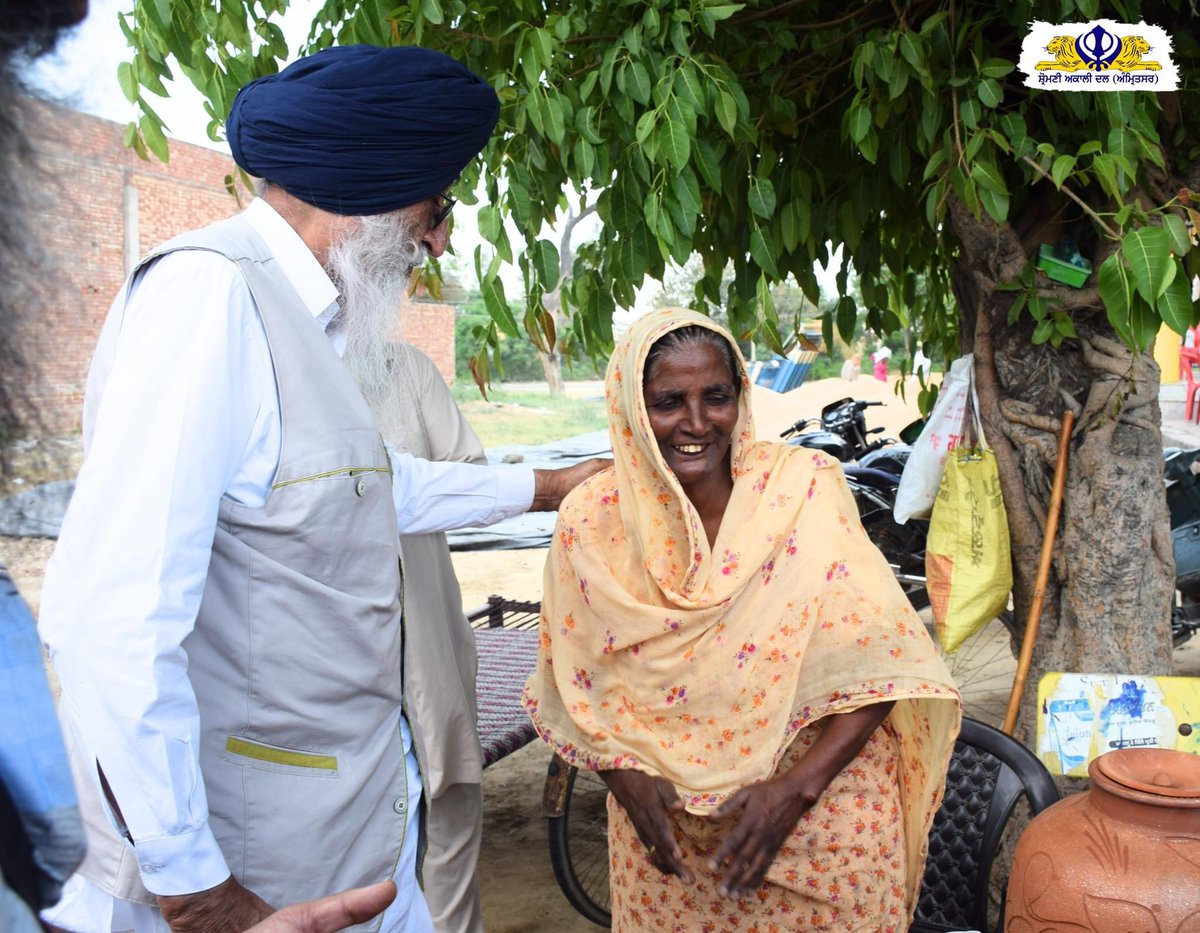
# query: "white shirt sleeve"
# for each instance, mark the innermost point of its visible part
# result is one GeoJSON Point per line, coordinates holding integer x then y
{"type": "Point", "coordinates": [433, 496]}
{"type": "Point", "coordinates": [181, 410]}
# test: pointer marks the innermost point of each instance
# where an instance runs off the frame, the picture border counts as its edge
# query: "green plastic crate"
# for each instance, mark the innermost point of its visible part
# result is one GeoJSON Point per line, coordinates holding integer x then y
{"type": "Point", "coordinates": [1061, 271]}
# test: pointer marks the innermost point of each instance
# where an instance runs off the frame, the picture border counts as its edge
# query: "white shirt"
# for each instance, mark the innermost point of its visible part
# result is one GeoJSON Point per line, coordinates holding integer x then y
{"type": "Point", "coordinates": [181, 409]}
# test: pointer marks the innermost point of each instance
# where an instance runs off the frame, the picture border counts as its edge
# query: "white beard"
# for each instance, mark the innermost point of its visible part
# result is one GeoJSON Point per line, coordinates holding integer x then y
{"type": "Point", "coordinates": [371, 267]}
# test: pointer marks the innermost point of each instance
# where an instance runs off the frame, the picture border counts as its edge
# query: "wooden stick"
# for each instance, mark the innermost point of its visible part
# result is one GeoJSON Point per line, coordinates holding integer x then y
{"type": "Point", "coordinates": [1043, 574]}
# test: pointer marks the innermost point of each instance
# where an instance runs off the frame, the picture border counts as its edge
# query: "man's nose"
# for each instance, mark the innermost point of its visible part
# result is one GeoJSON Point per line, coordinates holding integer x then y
{"type": "Point", "coordinates": [437, 239]}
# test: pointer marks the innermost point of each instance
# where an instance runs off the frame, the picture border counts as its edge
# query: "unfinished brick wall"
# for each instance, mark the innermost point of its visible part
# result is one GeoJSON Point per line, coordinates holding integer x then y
{"type": "Point", "coordinates": [99, 207]}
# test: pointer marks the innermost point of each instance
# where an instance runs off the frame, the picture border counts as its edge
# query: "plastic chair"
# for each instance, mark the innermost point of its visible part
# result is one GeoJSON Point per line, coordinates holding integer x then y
{"type": "Point", "coordinates": [988, 773]}
{"type": "Point", "coordinates": [1189, 359]}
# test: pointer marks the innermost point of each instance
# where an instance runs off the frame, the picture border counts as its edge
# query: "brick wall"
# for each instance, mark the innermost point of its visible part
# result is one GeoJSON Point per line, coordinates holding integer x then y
{"type": "Point", "coordinates": [89, 187]}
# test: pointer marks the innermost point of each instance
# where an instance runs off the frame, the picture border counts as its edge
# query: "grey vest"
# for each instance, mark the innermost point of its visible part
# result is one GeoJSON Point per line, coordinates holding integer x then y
{"type": "Point", "coordinates": [296, 654]}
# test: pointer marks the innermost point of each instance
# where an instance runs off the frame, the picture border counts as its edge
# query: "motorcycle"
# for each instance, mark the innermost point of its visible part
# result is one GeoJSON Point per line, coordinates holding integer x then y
{"type": "Point", "coordinates": [1181, 474]}
{"type": "Point", "coordinates": [872, 468]}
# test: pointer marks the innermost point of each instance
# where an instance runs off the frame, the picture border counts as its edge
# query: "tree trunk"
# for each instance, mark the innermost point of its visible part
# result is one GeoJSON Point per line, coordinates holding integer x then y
{"type": "Point", "coordinates": [552, 367]}
{"type": "Point", "coordinates": [1107, 605]}
{"type": "Point", "coordinates": [1108, 600]}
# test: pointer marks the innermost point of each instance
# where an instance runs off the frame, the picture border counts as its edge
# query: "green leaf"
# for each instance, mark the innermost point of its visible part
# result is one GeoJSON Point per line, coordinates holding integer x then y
{"type": "Point", "coordinates": [988, 177]}
{"type": "Point", "coordinates": [1121, 105]}
{"type": "Point", "coordinates": [545, 261]}
{"type": "Point", "coordinates": [489, 222]}
{"type": "Point", "coordinates": [709, 164]}
{"type": "Point", "coordinates": [869, 147]}
{"type": "Point", "coordinates": [935, 162]}
{"type": "Point", "coordinates": [1063, 166]}
{"type": "Point", "coordinates": [689, 86]}
{"type": "Point", "coordinates": [996, 68]}
{"type": "Point", "coordinates": [723, 10]}
{"type": "Point", "coordinates": [789, 227]}
{"type": "Point", "coordinates": [1116, 293]}
{"type": "Point", "coordinates": [1177, 231]}
{"type": "Point", "coordinates": [1151, 268]}
{"type": "Point", "coordinates": [556, 125]}
{"type": "Point", "coordinates": [127, 78]}
{"type": "Point", "coordinates": [497, 306]}
{"type": "Point", "coordinates": [726, 111]}
{"type": "Point", "coordinates": [847, 316]}
{"type": "Point", "coordinates": [631, 254]}
{"type": "Point", "coordinates": [763, 251]}
{"type": "Point", "coordinates": [910, 48]}
{"type": "Point", "coordinates": [432, 11]}
{"type": "Point", "coordinates": [687, 190]}
{"type": "Point", "coordinates": [1015, 309]}
{"type": "Point", "coordinates": [585, 158]}
{"type": "Point", "coordinates": [859, 122]}
{"type": "Point", "coordinates": [1043, 331]}
{"type": "Point", "coordinates": [1144, 323]}
{"type": "Point", "coordinates": [156, 140]}
{"type": "Point", "coordinates": [969, 112]}
{"type": "Point", "coordinates": [761, 197]}
{"type": "Point", "coordinates": [995, 203]}
{"type": "Point", "coordinates": [639, 83]}
{"type": "Point", "coordinates": [990, 92]}
{"type": "Point", "coordinates": [585, 124]}
{"type": "Point", "coordinates": [1175, 305]}
{"type": "Point", "coordinates": [607, 65]}
{"type": "Point", "coordinates": [645, 126]}
{"type": "Point", "coordinates": [1123, 142]}
{"type": "Point", "coordinates": [675, 143]}
{"type": "Point", "coordinates": [1106, 171]}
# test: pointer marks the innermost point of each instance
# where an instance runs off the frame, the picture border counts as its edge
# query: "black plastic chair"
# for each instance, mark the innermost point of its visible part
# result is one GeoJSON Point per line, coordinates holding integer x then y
{"type": "Point", "coordinates": [989, 771]}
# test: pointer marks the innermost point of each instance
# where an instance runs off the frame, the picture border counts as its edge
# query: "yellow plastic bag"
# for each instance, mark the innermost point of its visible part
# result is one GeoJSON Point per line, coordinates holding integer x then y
{"type": "Point", "coordinates": [968, 566]}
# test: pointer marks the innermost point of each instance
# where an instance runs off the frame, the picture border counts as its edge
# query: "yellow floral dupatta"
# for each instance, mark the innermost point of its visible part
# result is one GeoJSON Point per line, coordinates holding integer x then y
{"type": "Point", "coordinates": [701, 664]}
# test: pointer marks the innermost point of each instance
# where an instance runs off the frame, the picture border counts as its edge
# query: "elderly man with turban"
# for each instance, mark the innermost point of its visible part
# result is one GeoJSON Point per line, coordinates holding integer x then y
{"type": "Point", "coordinates": [223, 608]}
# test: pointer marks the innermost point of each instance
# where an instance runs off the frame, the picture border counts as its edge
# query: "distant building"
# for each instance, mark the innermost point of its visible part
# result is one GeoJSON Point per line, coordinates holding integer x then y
{"type": "Point", "coordinates": [100, 208]}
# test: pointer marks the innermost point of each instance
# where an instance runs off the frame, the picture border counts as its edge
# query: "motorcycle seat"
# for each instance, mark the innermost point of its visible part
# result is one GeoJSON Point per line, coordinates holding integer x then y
{"type": "Point", "coordinates": [876, 479]}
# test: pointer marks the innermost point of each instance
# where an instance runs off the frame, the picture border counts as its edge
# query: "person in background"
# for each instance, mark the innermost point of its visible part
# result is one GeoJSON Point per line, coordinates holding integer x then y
{"type": "Point", "coordinates": [922, 364]}
{"type": "Point", "coordinates": [420, 417]}
{"type": "Point", "coordinates": [880, 360]}
{"type": "Point", "coordinates": [723, 644]}
{"type": "Point", "coordinates": [852, 367]}
{"type": "Point", "coordinates": [223, 607]}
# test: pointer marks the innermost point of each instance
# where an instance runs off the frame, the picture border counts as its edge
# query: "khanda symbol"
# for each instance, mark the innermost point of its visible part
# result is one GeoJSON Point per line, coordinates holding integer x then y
{"type": "Point", "coordinates": [1098, 48]}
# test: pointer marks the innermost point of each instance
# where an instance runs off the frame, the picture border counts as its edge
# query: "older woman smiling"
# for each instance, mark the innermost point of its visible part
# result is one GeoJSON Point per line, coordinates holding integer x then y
{"type": "Point", "coordinates": [724, 645]}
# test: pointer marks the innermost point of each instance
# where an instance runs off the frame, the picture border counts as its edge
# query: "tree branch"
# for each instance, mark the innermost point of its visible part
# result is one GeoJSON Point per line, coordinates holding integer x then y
{"type": "Point", "coordinates": [765, 14]}
{"type": "Point", "coordinates": [1074, 197]}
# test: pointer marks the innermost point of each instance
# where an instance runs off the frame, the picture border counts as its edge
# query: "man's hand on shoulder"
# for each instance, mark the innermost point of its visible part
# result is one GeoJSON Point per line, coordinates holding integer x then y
{"type": "Point", "coordinates": [227, 908]}
{"type": "Point", "coordinates": [551, 486]}
{"type": "Point", "coordinates": [332, 913]}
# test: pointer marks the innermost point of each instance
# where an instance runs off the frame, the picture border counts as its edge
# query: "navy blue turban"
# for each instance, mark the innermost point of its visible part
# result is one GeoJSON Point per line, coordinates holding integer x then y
{"type": "Point", "coordinates": [358, 129]}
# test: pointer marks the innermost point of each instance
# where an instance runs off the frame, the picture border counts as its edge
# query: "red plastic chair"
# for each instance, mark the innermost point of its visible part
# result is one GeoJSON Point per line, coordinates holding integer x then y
{"type": "Point", "coordinates": [1189, 359]}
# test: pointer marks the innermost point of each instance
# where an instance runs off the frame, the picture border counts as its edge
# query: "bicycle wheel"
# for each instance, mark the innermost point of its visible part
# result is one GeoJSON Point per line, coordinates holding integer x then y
{"type": "Point", "coordinates": [983, 667]}
{"type": "Point", "coordinates": [579, 843]}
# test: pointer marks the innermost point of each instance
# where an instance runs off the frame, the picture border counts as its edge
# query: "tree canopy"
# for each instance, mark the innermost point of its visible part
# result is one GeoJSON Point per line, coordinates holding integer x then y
{"type": "Point", "coordinates": [765, 135]}
{"type": "Point", "coordinates": [760, 134]}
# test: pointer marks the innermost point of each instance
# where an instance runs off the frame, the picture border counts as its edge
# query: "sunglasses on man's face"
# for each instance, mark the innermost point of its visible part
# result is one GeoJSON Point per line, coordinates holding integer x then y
{"type": "Point", "coordinates": [443, 204]}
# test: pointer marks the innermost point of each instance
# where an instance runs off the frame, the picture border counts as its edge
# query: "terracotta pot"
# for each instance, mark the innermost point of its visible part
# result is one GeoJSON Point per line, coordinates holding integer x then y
{"type": "Point", "coordinates": [1122, 856]}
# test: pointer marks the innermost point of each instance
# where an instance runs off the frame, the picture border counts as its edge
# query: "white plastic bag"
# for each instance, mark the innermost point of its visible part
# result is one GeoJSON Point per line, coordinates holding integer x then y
{"type": "Point", "coordinates": [942, 433]}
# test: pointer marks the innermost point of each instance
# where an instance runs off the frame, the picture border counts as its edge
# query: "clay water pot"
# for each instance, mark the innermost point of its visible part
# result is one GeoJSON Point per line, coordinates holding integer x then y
{"type": "Point", "coordinates": [1121, 856]}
